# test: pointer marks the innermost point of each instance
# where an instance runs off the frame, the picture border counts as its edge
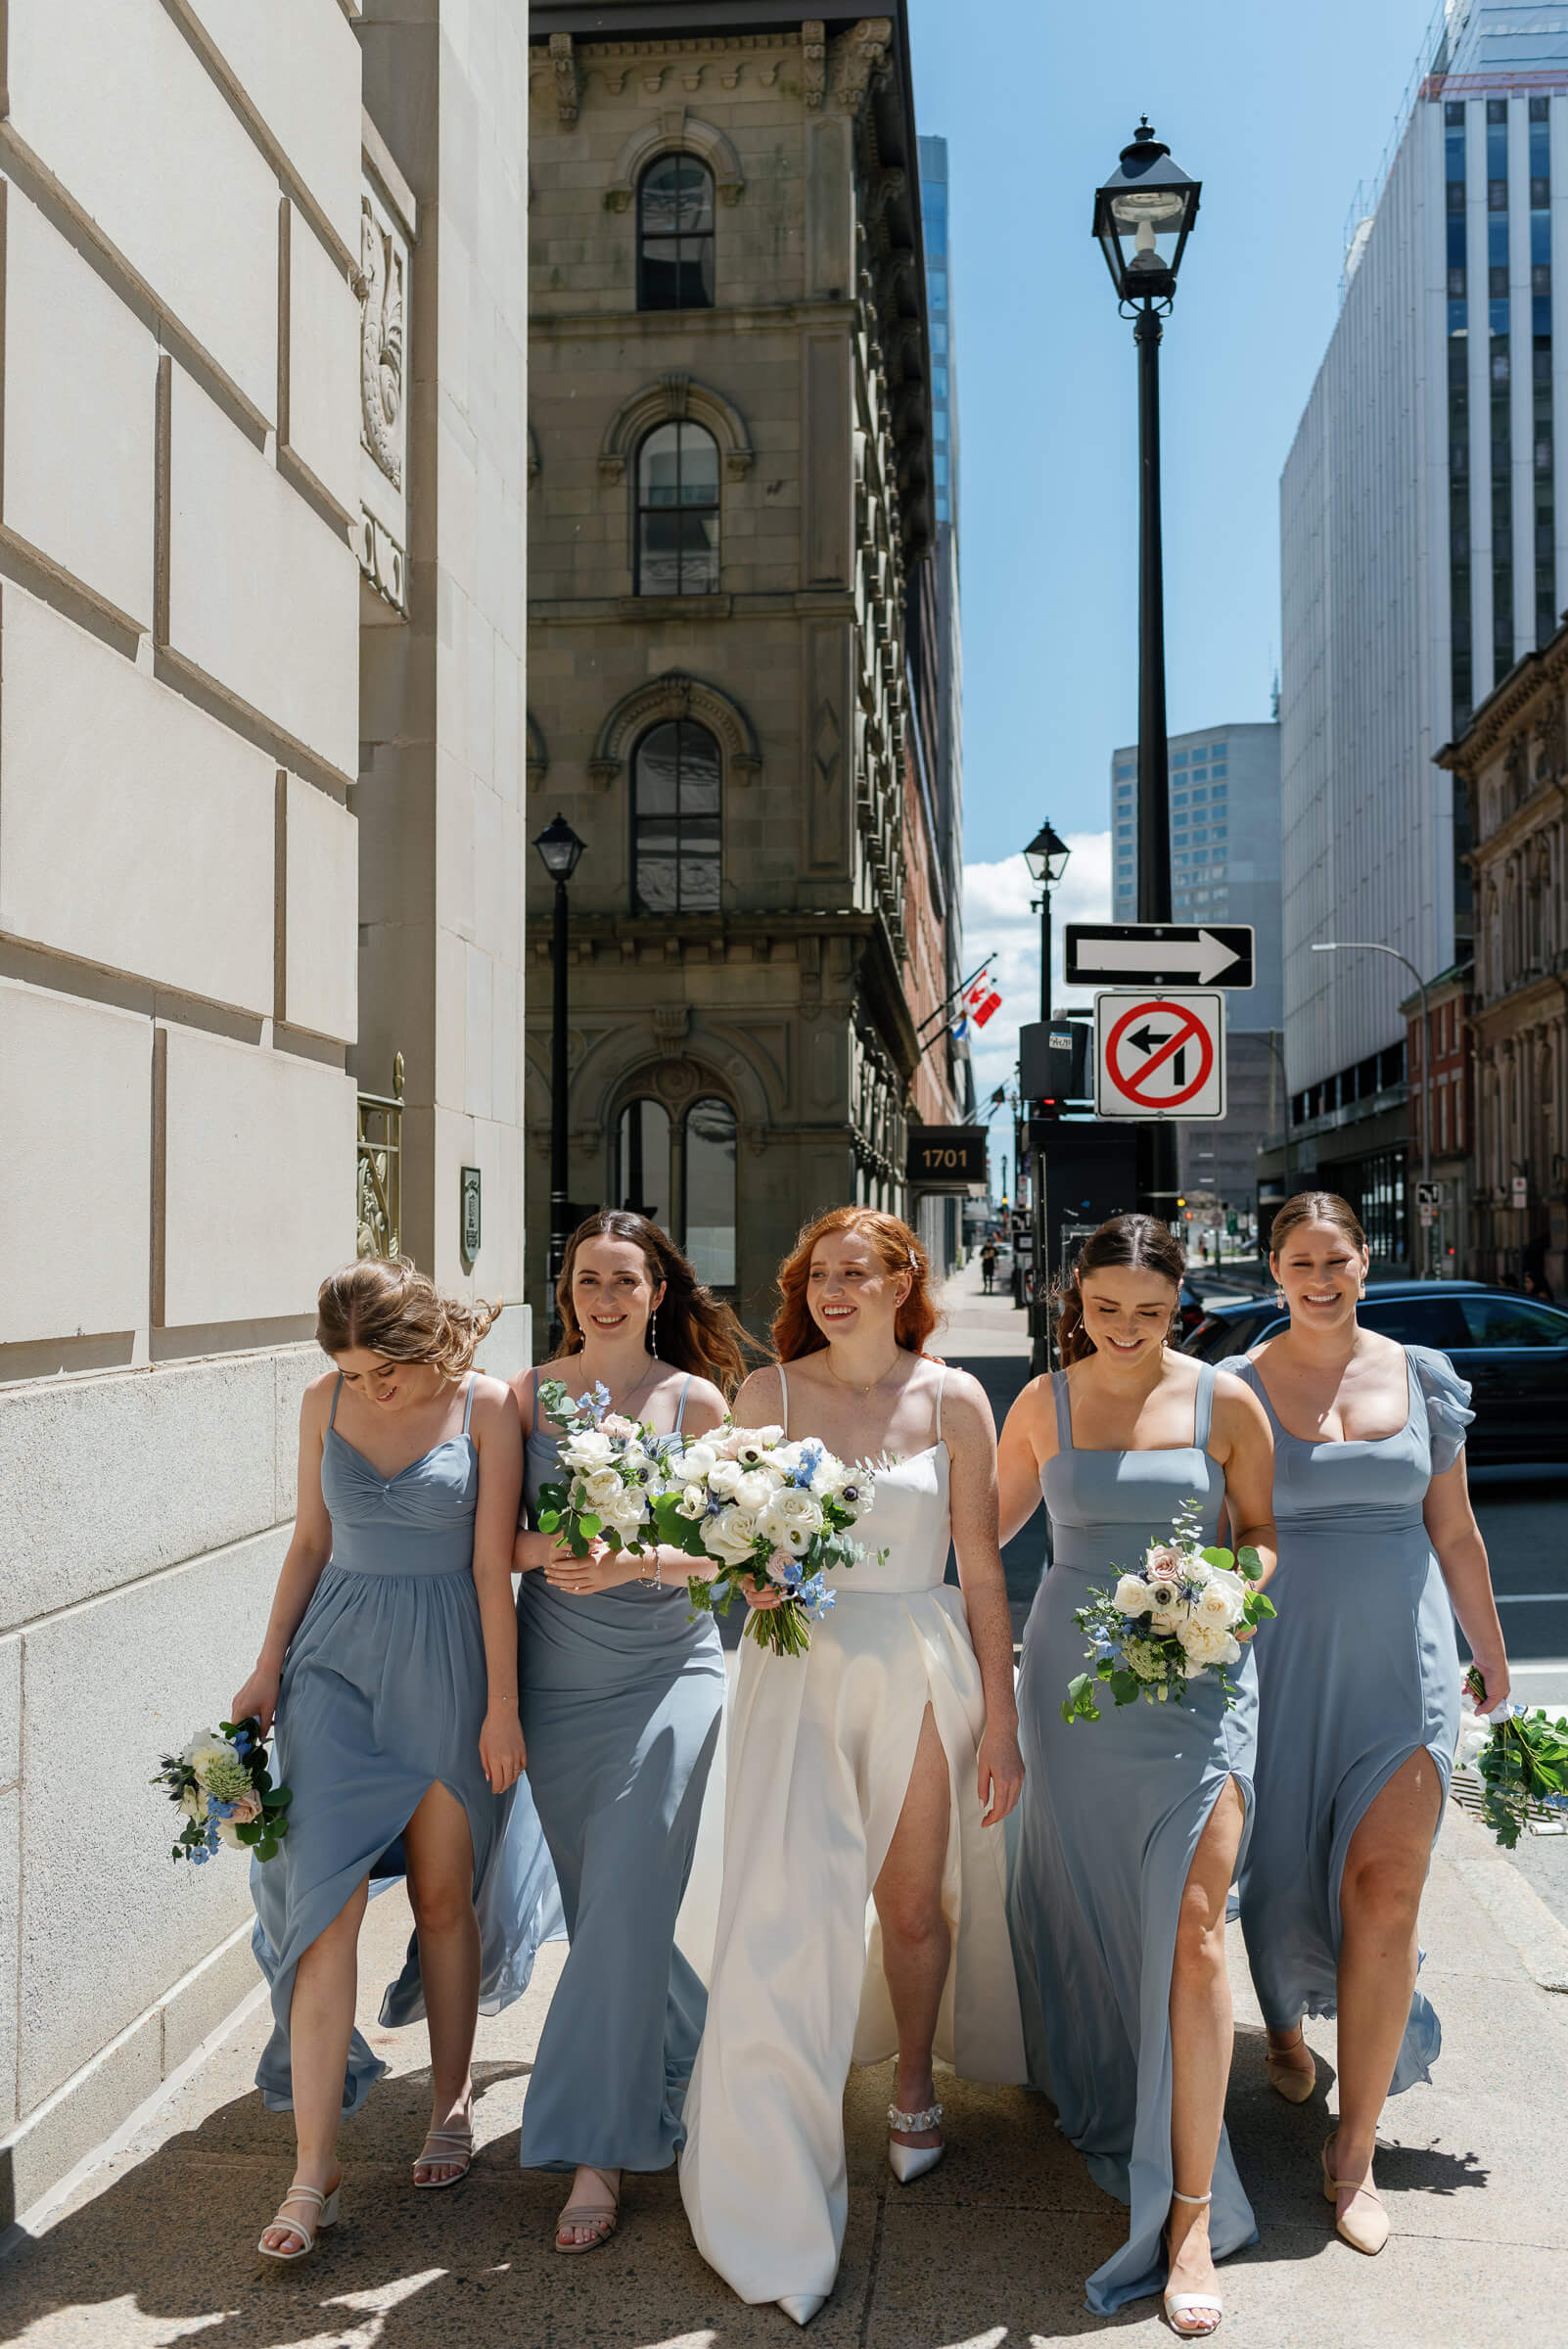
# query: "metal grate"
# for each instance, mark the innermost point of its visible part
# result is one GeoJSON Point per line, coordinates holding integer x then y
{"type": "Point", "coordinates": [379, 1175]}
{"type": "Point", "coordinates": [1467, 1790]}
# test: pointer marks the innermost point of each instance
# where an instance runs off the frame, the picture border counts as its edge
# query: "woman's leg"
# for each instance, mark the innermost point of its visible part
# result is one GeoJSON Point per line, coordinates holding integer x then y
{"type": "Point", "coordinates": [321, 2022]}
{"type": "Point", "coordinates": [916, 1944]}
{"type": "Point", "coordinates": [1379, 1897]}
{"type": "Point", "coordinates": [439, 1852]}
{"type": "Point", "coordinates": [1202, 2032]}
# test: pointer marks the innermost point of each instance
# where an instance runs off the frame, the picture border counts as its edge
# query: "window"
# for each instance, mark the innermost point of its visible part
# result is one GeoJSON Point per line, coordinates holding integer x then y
{"type": "Point", "coordinates": [1200, 774]}
{"type": "Point", "coordinates": [678, 512]}
{"type": "Point", "coordinates": [1414, 1321]}
{"type": "Point", "coordinates": [1200, 795]}
{"type": "Point", "coordinates": [1124, 831]}
{"type": "Point", "coordinates": [1222, 769]}
{"type": "Point", "coordinates": [1199, 835]}
{"type": "Point", "coordinates": [1178, 798]}
{"type": "Point", "coordinates": [642, 1160]}
{"type": "Point", "coordinates": [710, 1191]}
{"type": "Point", "coordinates": [1219, 751]}
{"type": "Point", "coordinates": [1511, 1321]}
{"type": "Point", "coordinates": [676, 235]}
{"type": "Point", "coordinates": [675, 820]}
{"type": "Point", "coordinates": [1122, 771]}
{"type": "Point", "coordinates": [1179, 758]}
{"type": "Point", "coordinates": [1220, 790]}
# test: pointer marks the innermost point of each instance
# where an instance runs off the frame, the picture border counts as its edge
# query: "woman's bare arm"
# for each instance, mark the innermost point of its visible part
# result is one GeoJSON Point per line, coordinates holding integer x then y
{"type": "Point", "coordinates": [970, 1434]}
{"type": "Point", "coordinates": [1243, 1444]}
{"type": "Point", "coordinates": [498, 1439]}
{"type": "Point", "coordinates": [1462, 1556]}
{"type": "Point", "coordinates": [1020, 1454]}
{"type": "Point", "coordinates": [303, 1564]}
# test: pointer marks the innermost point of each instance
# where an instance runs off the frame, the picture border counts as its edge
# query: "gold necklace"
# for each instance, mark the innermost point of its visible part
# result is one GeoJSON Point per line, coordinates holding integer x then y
{"type": "Point", "coordinates": [872, 1384]}
{"type": "Point", "coordinates": [623, 1409]}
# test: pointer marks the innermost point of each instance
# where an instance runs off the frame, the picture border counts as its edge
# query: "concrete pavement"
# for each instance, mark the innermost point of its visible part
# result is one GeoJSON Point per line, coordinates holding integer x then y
{"type": "Point", "coordinates": [154, 2243]}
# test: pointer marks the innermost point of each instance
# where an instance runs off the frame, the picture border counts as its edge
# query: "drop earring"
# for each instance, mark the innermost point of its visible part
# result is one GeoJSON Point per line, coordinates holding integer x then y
{"type": "Point", "coordinates": [653, 1333]}
{"type": "Point", "coordinates": [1280, 1299]}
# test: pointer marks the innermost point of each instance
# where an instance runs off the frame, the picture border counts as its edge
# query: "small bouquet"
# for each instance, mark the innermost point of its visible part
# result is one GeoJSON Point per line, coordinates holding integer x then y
{"type": "Point", "coordinates": [1169, 1623]}
{"type": "Point", "coordinates": [771, 1513]}
{"type": "Point", "coordinates": [222, 1786]}
{"type": "Point", "coordinates": [616, 1464]}
{"type": "Point", "coordinates": [1521, 1760]}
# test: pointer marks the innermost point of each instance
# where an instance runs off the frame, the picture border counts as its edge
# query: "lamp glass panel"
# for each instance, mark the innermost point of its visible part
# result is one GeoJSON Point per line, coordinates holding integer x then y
{"type": "Point", "coordinates": [642, 1160]}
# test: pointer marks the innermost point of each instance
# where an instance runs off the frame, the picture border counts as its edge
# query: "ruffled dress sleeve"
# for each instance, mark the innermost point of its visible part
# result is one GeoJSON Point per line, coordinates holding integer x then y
{"type": "Point", "coordinates": [1448, 1404]}
{"type": "Point", "coordinates": [1236, 1363]}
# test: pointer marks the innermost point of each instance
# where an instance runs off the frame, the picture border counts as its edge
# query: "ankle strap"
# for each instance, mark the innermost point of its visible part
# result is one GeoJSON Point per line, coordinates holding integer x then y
{"type": "Point", "coordinates": [1197, 2199]}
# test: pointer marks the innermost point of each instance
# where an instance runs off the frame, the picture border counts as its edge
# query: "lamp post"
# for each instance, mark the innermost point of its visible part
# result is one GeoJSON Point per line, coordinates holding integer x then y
{"type": "Point", "coordinates": [1046, 857]}
{"type": "Point", "coordinates": [1143, 216]}
{"type": "Point", "coordinates": [559, 850]}
{"type": "Point", "coordinates": [1372, 946]}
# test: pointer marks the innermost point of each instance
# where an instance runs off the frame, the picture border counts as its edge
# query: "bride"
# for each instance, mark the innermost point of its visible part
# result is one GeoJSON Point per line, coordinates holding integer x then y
{"type": "Point", "coordinates": [879, 1766]}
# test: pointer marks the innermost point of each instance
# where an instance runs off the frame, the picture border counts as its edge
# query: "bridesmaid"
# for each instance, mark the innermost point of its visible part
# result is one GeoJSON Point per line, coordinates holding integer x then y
{"type": "Point", "coordinates": [1130, 1828]}
{"type": "Point", "coordinates": [1360, 1686]}
{"type": "Point", "coordinates": [623, 1694]}
{"type": "Point", "coordinates": [390, 1665]}
{"type": "Point", "coordinates": [868, 1770]}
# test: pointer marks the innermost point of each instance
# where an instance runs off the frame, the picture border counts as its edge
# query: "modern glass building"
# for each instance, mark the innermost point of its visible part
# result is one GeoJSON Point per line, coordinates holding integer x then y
{"type": "Point", "coordinates": [1225, 867]}
{"type": "Point", "coordinates": [1424, 550]}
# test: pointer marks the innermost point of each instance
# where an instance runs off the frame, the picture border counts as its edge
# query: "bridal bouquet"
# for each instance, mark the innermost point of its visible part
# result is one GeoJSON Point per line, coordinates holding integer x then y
{"type": "Point", "coordinates": [771, 1513]}
{"type": "Point", "coordinates": [223, 1787]}
{"type": "Point", "coordinates": [614, 1467]}
{"type": "Point", "coordinates": [1169, 1622]}
{"type": "Point", "coordinates": [1521, 1760]}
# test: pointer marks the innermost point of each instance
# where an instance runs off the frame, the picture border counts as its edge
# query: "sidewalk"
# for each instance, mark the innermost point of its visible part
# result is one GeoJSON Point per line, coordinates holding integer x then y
{"type": "Point", "coordinates": [154, 2245]}
{"type": "Point", "coordinates": [992, 2249]}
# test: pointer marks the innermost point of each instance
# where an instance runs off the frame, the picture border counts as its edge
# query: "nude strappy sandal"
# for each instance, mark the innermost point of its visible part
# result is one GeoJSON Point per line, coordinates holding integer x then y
{"type": "Point", "coordinates": [1187, 2304]}
{"type": "Point", "coordinates": [460, 2163]}
{"type": "Point", "coordinates": [326, 2216]}
{"type": "Point", "coordinates": [603, 2217]}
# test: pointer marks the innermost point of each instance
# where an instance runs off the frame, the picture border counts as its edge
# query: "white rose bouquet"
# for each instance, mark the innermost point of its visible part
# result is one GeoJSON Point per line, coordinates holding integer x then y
{"type": "Point", "coordinates": [223, 1789]}
{"type": "Point", "coordinates": [769, 1513]}
{"type": "Point", "coordinates": [1164, 1625]}
{"type": "Point", "coordinates": [614, 1467]}
{"type": "Point", "coordinates": [1521, 1759]}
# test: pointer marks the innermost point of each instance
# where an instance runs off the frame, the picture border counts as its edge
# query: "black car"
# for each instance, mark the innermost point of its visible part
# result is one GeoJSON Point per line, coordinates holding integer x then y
{"type": "Point", "coordinates": [1513, 1351]}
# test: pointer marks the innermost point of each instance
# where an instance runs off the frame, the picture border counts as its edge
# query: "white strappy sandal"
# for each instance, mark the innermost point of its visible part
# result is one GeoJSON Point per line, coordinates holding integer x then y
{"type": "Point", "coordinates": [459, 2163]}
{"type": "Point", "coordinates": [326, 2216]}
{"type": "Point", "coordinates": [1187, 2304]}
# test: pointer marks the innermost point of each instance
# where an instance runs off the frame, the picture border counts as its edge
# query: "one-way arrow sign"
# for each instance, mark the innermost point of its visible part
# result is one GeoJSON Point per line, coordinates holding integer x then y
{"type": "Point", "coordinates": [1159, 953]}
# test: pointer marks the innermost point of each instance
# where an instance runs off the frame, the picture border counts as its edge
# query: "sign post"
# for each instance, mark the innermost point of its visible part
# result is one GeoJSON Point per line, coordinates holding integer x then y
{"type": "Point", "coordinates": [1157, 1055]}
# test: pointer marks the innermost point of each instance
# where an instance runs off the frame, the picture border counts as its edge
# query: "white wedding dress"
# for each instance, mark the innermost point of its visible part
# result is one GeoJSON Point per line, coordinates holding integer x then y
{"type": "Point", "coordinates": [821, 1751]}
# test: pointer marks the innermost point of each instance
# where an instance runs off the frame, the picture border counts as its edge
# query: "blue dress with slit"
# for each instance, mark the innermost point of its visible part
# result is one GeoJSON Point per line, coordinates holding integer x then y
{"type": "Point", "coordinates": [384, 1694]}
{"type": "Point", "coordinates": [1360, 1673]}
{"type": "Point", "coordinates": [1109, 1823]}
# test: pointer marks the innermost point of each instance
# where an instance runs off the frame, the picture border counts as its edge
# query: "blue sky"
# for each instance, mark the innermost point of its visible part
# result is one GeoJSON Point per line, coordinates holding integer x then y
{"type": "Point", "coordinates": [1279, 110]}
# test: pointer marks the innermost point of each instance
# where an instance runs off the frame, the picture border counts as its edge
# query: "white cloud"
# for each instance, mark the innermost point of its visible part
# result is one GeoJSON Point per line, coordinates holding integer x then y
{"type": "Point", "coordinates": [998, 916]}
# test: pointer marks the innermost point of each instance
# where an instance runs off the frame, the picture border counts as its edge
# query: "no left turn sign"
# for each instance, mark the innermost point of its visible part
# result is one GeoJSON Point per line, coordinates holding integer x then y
{"type": "Point", "coordinates": [1159, 1056]}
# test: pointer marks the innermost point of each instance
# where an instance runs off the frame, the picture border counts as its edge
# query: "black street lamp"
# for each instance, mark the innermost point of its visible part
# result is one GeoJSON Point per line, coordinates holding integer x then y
{"type": "Point", "coordinates": [559, 850]}
{"type": "Point", "coordinates": [1143, 216]}
{"type": "Point", "coordinates": [1046, 859]}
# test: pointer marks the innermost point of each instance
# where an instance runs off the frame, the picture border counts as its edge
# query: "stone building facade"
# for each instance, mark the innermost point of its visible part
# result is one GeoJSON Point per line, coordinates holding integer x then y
{"type": "Point", "coordinates": [1439, 1237]}
{"type": "Point", "coordinates": [730, 515]}
{"type": "Point", "coordinates": [260, 833]}
{"type": "Point", "coordinates": [1513, 760]}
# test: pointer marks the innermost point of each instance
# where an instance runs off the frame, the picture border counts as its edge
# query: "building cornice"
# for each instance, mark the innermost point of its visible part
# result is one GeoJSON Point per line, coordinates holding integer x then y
{"type": "Point", "coordinates": [1499, 714]}
{"type": "Point", "coordinates": [1516, 828]}
{"type": "Point", "coordinates": [1545, 993]}
{"type": "Point", "coordinates": [679, 326]}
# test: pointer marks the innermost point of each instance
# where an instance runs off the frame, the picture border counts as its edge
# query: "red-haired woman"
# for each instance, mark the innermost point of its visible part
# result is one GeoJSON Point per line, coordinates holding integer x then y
{"type": "Point", "coordinates": [877, 1765]}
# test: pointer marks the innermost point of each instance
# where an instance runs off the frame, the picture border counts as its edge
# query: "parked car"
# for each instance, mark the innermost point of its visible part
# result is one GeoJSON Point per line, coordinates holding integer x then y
{"type": "Point", "coordinates": [1512, 1349]}
{"type": "Point", "coordinates": [1192, 1312]}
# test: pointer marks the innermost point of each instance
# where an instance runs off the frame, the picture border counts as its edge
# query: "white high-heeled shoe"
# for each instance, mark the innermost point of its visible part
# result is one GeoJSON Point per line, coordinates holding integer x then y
{"type": "Point", "coordinates": [802, 2307]}
{"type": "Point", "coordinates": [1204, 2308]}
{"type": "Point", "coordinates": [910, 2162]}
{"type": "Point", "coordinates": [307, 2229]}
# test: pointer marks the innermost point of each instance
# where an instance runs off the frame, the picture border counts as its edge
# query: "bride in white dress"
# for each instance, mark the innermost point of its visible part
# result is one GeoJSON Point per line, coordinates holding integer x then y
{"type": "Point", "coordinates": [877, 1768]}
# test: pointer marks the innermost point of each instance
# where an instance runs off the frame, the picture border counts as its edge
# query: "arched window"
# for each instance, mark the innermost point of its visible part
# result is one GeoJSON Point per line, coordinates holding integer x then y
{"type": "Point", "coordinates": [678, 510]}
{"type": "Point", "coordinates": [676, 235]}
{"type": "Point", "coordinates": [710, 1191]}
{"type": "Point", "coordinates": [675, 820]}
{"type": "Point", "coordinates": [642, 1160]}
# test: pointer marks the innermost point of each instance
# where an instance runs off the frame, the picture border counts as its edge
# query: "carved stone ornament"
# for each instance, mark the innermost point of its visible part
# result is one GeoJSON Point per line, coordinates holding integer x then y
{"type": "Point", "coordinates": [384, 266]}
{"type": "Point", "coordinates": [668, 398]}
{"type": "Point", "coordinates": [676, 132]}
{"type": "Point", "coordinates": [674, 1081]}
{"type": "Point", "coordinates": [813, 50]}
{"type": "Point", "coordinates": [1551, 738]}
{"type": "Point", "coordinates": [670, 1022]}
{"type": "Point", "coordinates": [1516, 773]}
{"type": "Point", "coordinates": [568, 88]}
{"type": "Point", "coordinates": [382, 562]}
{"type": "Point", "coordinates": [860, 62]}
{"type": "Point", "coordinates": [676, 695]}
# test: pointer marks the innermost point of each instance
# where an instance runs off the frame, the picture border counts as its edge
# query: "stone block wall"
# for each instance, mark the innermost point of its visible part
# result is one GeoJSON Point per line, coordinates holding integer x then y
{"type": "Point", "coordinates": [179, 635]}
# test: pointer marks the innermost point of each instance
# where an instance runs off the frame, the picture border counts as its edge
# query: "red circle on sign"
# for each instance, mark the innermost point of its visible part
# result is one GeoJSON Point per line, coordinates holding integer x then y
{"type": "Point", "coordinates": [1188, 1030]}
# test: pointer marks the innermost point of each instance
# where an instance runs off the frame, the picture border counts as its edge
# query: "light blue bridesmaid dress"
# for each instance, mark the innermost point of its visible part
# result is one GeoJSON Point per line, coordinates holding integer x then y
{"type": "Point", "coordinates": [1110, 1818]}
{"type": "Point", "coordinates": [622, 1694]}
{"type": "Point", "coordinates": [384, 1694]}
{"type": "Point", "coordinates": [1360, 1673]}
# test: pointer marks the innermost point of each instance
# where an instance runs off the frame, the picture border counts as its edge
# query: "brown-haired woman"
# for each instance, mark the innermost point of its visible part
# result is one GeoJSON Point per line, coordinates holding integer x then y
{"type": "Point", "coordinates": [390, 1665]}
{"type": "Point", "coordinates": [1129, 1831]}
{"type": "Point", "coordinates": [621, 1698]}
{"type": "Point", "coordinates": [1359, 1684]}
{"type": "Point", "coordinates": [870, 1768]}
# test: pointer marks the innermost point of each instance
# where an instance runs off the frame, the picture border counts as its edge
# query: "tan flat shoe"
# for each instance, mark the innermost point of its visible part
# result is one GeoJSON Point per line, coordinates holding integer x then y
{"type": "Point", "coordinates": [1288, 2080]}
{"type": "Point", "coordinates": [1363, 2222]}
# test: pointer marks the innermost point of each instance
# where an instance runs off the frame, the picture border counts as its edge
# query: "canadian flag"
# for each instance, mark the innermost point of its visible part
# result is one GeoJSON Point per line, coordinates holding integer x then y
{"type": "Point", "coordinates": [982, 999]}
